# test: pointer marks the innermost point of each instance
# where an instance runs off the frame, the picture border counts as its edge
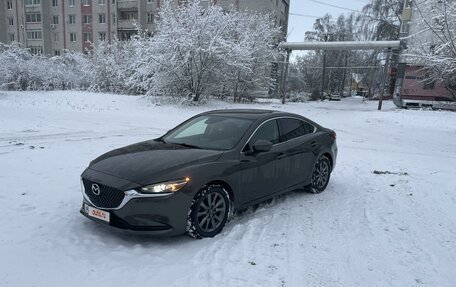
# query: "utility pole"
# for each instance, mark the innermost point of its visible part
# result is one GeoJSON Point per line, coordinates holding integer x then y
{"type": "Point", "coordinates": [371, 74]}
{"type": "Point", "coordinates": [385, 79]}
{"type": "Point", "coordinates": [345, 74]}
{"type": "Point", "coordinates": [284, 76]}
{"type": "Point", "coordinates": [322, 94]}
{"type": "Point", "coordinates": [351, 81]}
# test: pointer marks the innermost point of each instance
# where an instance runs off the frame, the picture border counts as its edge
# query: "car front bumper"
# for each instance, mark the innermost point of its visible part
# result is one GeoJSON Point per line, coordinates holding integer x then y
{"type": "Point", "coordinates": [159, 215]}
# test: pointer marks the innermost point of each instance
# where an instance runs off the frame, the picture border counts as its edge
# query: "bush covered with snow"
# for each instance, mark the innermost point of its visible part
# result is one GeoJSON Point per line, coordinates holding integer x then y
{"type": "Point", "coordinates": [20, 70]}
{"type": "Point", "coordinates": [195, 52]}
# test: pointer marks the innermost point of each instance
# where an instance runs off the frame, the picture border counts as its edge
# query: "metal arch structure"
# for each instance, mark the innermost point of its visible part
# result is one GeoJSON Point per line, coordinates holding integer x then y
{"type": "Point", "coordinates": [341, 45]}
{"type": "Point", "coordinates": [345, 45]}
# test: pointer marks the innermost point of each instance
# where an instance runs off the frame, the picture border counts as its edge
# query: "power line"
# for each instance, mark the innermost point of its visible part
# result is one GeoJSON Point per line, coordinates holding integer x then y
{"type": "Point", "coordinates": [304, 15]}
{"type": "Point", "coordinates": [352, 10]}
{"type": "Point", "coordinates": [335, 6]}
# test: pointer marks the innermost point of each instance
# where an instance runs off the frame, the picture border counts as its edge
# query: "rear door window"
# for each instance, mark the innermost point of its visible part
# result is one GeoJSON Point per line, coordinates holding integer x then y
{"type": "Point", "coordinates": [293, 128]}
{"type": "Point", "coordinates": [308, 128]}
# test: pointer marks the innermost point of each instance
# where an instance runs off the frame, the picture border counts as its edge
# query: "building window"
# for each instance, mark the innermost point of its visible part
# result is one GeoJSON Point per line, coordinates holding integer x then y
{"type": "Point", "coordinates": [54, 3]}
{"type": "Point", "coordinates": [113, 1]}
{"type": "Point", "coordinates": [87, 36]}
{"type": "Point", "coordinates": [33, 18]}
{"type": "Point", "coordinates": [11, 37]}
{"type": "Point", "coordinates": [73, 37]}
{"type": "Point", "coordinates": [101, 2]}
{"type": "Point", "coordinates": [102, 18]}
{"type": "Point", "coordinates": [71, 19]}
{"type": "Point", "coordinates": [124, 15]}
{"type": "Point", "coordinates": [113, 18]}
{"type": "Point", "coordinates": [56, 37]}
{"type": "Point", "coordinates": [11, 21]}
{"type": "Point", "coordinates": [87, 19]}
{"type": "Point", "coordinates": [71, 3]}
{"type": "Point", "coordinates": [34, 35]}
{"type": "Point", "coordinates": [35, 50]}
{"type": "Point", "coordinates": [86, 2]}
{"type": "Point", "coordinates": [102, 36]}
{"type": "Point", "coordinates": [32, 2]}
{"type": "Point", "coordinates": [55, 19]}
{"type": "Point", "coordinates": [150, 17]}
{"type": "Point", "coordinates": [9, 4]}
{"type": "Point", "coordinates": [56, 53]}
{"type": "Point", "coordinates": [150, 1]}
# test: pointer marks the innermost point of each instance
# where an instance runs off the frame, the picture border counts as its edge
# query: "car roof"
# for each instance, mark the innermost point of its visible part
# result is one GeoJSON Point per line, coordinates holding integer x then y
{"type": "Point", "coordinates": [242, 113]}
{"type": "Point", "coordinates": [256, 114]}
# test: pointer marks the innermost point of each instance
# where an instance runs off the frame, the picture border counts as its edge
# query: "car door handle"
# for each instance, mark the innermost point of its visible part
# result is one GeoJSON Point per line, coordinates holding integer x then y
{"type": "Point", "coordinates": [281, 156]}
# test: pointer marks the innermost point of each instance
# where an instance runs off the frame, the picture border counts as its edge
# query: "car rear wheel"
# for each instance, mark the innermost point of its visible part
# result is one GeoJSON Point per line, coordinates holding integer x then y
{"type": "Point", "coordinates": [320, 175]}
{"type": "Point", "coordinates": [208, 212]}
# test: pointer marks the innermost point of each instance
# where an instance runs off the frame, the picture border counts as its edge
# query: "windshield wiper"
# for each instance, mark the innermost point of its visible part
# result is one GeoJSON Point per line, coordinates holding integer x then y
{"type": "Point", "coordinates": [188, 145]}
{"type": "Point", "coordinates": [159, 140]}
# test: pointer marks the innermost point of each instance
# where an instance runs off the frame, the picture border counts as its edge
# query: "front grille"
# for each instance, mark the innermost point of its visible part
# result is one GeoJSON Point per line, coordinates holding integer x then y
{"type": "Point", "coordinates": [108, 197]}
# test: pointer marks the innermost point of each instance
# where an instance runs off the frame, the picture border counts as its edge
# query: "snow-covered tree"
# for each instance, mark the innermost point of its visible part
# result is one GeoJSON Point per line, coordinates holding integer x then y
{"type": "Point", "coordinates": [200, 51]}
{"type": "Point", "coordinates": [14, 71]}
{"type": "Point", "coordinates": [381, 20]}
{"type": "Point", "coordinates": [20, 70]}
{"type": "Point", "coordinates": [75, 70]}
{"type": "Point", "coordinates": [111, 66]}
{"type": "Point", "coordinates": [196, 51]}
{"type": "Point", "coordinates": [325, 29]}
{"type": "Point", "coordinates": [433, 41]}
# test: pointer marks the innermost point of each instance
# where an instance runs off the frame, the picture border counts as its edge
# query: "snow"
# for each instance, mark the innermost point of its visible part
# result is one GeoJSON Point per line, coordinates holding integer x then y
{"type": "Point", "coordinates": [366, 229]}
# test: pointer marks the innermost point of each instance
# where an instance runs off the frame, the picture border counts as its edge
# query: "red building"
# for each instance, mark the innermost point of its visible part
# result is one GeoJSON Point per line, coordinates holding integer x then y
{"type": "Point", "coordinates": [416, 88]}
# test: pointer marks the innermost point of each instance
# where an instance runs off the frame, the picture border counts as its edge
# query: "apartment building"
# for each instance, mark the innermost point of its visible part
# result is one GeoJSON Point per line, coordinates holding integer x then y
{"type": "Point", "coordinates": [411, 87]}
{"type": "Point", "coordinates": [51, 26]}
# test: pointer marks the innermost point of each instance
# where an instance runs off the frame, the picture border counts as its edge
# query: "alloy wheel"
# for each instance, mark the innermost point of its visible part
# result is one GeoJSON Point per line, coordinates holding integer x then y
{"type": "Point", "coordinates": [320, 176]}
{"type": "Point", "coordinates": [211, 212]}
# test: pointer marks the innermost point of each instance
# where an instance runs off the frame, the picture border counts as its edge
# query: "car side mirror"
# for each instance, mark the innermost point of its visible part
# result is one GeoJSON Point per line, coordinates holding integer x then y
{"type": "Point", "coordinates": [262, 146]}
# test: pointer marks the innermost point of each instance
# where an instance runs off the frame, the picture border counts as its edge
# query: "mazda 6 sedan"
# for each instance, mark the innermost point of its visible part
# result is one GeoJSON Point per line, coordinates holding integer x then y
{"type": "Point", "coordinates": [191, 179]}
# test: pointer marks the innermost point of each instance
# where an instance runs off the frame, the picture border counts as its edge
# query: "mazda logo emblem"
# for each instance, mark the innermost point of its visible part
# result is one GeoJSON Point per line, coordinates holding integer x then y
{"type": "Point", "coordinates": [95, 189]}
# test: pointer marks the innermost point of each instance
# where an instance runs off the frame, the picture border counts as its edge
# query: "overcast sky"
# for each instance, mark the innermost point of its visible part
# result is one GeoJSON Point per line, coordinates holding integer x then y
{"type": "Point", "coordinates": [310, 10]}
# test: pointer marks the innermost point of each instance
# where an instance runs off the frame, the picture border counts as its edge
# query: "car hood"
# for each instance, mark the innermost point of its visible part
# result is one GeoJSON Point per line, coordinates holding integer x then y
{"type": "Point", "coordinates": [145, 161]}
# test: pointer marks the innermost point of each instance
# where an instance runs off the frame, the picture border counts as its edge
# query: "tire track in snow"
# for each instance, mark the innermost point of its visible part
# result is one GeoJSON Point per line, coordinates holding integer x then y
{"type": "Point", "coordinates": [248, 245]}
{"type": "Point", "coordinates": [12, 144]}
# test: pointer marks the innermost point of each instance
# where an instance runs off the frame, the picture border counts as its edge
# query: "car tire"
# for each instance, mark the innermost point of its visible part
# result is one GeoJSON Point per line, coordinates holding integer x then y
{"type": "Point", "coordinates": [209, 212]}
{"type": "Point", "coordinates": [320, 175]}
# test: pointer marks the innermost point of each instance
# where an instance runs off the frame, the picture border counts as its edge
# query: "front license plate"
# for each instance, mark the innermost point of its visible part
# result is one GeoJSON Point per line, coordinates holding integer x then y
{"type": "Point", "coordinates": [96, 213]}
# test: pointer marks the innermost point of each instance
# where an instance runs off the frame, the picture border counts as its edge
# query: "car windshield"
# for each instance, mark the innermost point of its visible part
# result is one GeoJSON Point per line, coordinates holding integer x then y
{"type": "Point", "coordinates": [210, 132]}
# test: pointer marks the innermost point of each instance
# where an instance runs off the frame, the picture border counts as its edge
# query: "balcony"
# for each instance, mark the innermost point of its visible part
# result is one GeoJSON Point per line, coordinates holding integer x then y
{"type": "Point", "coordinates": [127, 24]}
{"type": "Point", "coordinates": [127, 5]}
{"type": "Point", "coordinates": [127, 19]}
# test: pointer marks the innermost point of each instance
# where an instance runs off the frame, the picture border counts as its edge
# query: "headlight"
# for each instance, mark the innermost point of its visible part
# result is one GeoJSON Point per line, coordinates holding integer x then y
{"type": "Point", "coordinates": [165, 187]}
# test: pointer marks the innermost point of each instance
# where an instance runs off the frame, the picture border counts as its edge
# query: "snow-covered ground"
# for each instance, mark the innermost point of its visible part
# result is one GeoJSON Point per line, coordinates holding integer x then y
{"type": "Point", "coordinates": [366, 229]}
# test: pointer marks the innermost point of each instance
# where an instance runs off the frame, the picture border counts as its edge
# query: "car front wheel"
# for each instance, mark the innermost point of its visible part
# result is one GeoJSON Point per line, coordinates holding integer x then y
{"type": "Point", "coordinates": [208, 212]}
